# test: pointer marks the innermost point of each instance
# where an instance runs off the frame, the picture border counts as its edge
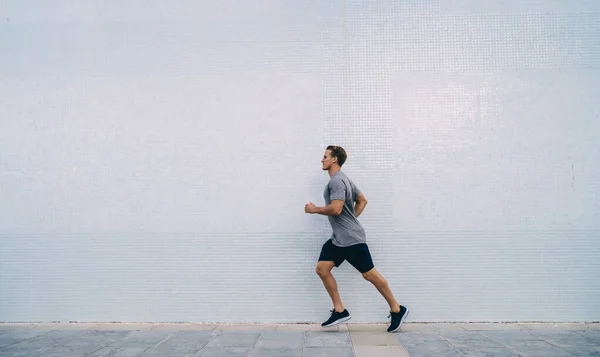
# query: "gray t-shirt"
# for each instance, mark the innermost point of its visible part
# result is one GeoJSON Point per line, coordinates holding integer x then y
{"type": "Point", "coordinates": [347, 230]}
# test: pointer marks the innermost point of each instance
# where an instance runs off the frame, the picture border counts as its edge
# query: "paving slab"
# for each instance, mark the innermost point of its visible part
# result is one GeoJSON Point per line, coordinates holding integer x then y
{"type": "Point", "coordinates": [65, 335]}
{"type": "Point", "coordinates": [276, 352]}
{"type": "Point", "coordinates": [25, 351]}
{"type": "Point", "coordinates": [369, 327]}
{"type": "Point", "coordinates": [537, 349]}
{"type": "Point", "coordinates": [211, 351]}
{"type": "Point", "coordinates": [86, 344]}
{"type": "Point", "coordinates": [11, 337]}
{"type": "Point", "coordinates": [374, 339]}
{"type": "Point", "coordinates": [182, 342]}
{"type": "Point", "coordinates": [345, 340]}
{"type": "Point", "coordinates": [586, 351]}
{"type": "Point", "coordinates": [133, 344]}
{"type": "Point", "coordinates": [280, 339]}
{"type": "Point", "coordinates": [121, 350]}
{"type": "Point", "coordinates": [431, 348]}
{"type": "Point", "coordinates": [563, 338]}
{"type": "Point", "coordinates": [592, 335]}
{"type": "Point", "coordinates": [492, 327]}
{"type": "Point", "coordinates": [343, 328]}
{"type": "Point", "coordinates": [235, 339]}
{"type": "Point", "coordinates": [559, 326]}
{"type": "Point", "coordinates": [104, 336]}
{"type": "Point", "coordinates": [36, 346]}
{"type": "Point", "coordinates": [416, 338]}
{"type": "Point", "coordinates": [327, 339]}
{"type": "Point", "coordinates": [380, 351]}
{"type": "Point", "coordinates": [146, 337]}
{"type": "Point", "coordinates": [469, 339]}
{"type": "Point", "coordinates": [328, 352]}
{"type": "Point", "coordinates": [53, 338]}
{"type": "Point", "coordinates": [510, 336]}
{"type": "Point", "coordinates": [64, 351]}
{"type": "Point", "coordinates": [473, 351]}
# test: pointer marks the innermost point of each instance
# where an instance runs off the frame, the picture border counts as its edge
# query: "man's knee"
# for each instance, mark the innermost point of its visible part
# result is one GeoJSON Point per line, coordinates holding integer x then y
{"type": "Point", "coordinates": [324, 268]}
{"type": "Point", "coordinates": [372, 276]}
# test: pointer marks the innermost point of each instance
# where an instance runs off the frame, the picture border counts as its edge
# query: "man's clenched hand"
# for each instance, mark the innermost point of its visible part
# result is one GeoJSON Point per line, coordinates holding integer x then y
{"type": "Point", "coordinates": [310, 208]}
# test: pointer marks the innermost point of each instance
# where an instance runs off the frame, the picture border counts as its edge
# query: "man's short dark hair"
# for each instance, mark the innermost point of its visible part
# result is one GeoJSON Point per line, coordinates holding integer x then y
{"type": "Point", "coordinates": [339, 153]}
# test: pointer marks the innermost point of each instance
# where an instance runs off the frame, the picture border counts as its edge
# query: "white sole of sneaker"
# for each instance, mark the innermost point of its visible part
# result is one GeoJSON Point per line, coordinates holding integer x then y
{"type": "Point", "coordinates": [338, 321]}
{"type": "Point", "coordinates": [401, 321]}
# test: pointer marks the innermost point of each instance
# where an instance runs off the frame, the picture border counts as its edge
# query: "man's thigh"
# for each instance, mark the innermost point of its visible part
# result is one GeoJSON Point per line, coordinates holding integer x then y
{"type": "Point", "coordinates": [360, 257]}
{"type": "Point", "coordinates": [331, 253]}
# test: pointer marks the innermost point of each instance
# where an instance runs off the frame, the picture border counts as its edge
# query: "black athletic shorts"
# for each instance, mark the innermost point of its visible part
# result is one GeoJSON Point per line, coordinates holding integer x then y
{"type": "Point", "coordinates": [358, 255]}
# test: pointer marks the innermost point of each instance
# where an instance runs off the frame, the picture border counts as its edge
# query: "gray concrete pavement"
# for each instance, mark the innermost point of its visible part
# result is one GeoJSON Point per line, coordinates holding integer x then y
{"type": "Point", "coordinates": [347, 340]}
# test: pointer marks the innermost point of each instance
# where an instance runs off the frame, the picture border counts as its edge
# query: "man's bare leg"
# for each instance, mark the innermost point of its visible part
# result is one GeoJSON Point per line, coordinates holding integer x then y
{"type": "Point", "coordinates": [382, 286]}
{"type": "Point", "coordinates": [324, 271]}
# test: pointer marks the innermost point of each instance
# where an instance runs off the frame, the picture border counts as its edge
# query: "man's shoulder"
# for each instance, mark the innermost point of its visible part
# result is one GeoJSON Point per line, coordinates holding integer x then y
{"type": "Point", "coordinates": [339, 177]}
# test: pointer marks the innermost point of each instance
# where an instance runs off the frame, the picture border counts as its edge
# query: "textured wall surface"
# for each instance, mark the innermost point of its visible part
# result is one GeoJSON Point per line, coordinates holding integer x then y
{"type": "Point", "coordinates": [155, 158]}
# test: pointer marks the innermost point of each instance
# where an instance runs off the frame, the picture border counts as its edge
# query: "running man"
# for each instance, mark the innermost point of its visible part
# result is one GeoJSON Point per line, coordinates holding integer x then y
{"type": "Point", "coordinates": [344, 203]}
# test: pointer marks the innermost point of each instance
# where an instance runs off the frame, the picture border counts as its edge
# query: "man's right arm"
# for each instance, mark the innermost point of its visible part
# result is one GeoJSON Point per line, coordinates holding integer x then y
{"type": "Point", "coordinates": [361, 202]}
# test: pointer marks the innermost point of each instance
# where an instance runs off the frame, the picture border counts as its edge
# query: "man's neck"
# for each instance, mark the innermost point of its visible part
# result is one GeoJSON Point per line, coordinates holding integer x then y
{"type": "Point", "coordinates": [333, 170]}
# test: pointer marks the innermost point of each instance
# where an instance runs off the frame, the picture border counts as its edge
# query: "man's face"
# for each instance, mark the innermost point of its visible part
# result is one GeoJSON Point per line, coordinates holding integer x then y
{"type": "Point", "coordinates": [327, 160]}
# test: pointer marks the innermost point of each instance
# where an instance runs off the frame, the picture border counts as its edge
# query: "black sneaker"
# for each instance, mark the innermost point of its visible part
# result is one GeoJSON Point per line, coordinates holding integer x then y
{"type": "Point", "coordinates": [397, 319]}
{"type": "Point", "coordinates": [336, 318]}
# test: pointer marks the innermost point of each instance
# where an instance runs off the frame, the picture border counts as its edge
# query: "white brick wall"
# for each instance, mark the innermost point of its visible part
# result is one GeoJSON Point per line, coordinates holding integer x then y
{"type": "Point", "coordinates": [155, 160]}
